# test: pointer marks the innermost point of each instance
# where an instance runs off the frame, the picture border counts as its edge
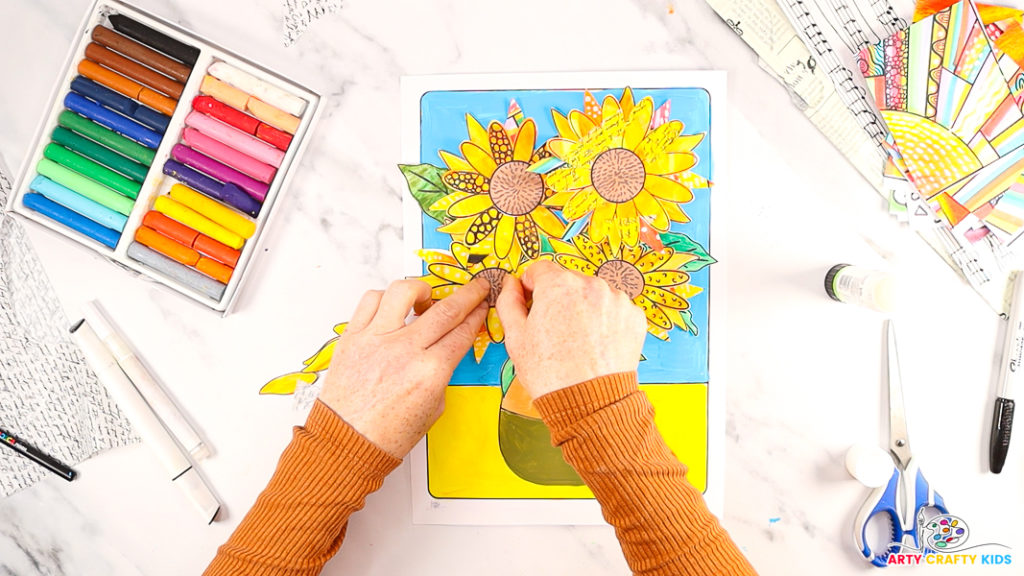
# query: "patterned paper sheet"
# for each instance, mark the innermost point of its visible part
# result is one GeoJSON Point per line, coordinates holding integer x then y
{"type": "Point", "coordinates": [51, 399]}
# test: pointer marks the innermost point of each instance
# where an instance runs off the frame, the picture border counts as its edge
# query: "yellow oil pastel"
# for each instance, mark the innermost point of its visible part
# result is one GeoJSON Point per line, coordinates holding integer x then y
{"type": "Point", "coordinates": [464, 459]}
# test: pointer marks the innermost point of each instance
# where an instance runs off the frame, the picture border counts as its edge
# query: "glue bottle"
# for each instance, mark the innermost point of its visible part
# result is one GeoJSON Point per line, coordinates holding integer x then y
{"type": "Point", "coordinates": [855, 285]}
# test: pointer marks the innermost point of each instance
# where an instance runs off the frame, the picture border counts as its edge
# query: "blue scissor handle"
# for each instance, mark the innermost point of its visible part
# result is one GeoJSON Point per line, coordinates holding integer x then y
{"type": "Point", "coordinates": [881, 500]}
{"type": "Point", "coordinates": [924, 497]}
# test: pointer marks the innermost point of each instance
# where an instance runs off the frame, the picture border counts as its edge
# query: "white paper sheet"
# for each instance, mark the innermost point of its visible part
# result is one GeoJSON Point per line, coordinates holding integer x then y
{"type": "Point", "coordinates": [430, 510]}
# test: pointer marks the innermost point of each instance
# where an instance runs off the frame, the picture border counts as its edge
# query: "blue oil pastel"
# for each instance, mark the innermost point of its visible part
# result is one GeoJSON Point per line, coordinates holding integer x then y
{"type": "Point", "coordinates": [443, 127]}
{"type": "Point", "coordinates": [71, 219]}
{"type": "Point", "coordinates": [76, 202]}
{"type": "Point", "coordinates": [112, 120]}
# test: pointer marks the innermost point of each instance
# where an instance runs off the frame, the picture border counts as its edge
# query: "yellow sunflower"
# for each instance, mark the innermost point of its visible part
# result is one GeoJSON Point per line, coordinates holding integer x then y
{"type": "Point", "coordinates": [448, 270]}
{"type": "Point", "coordinates": [653, 279]}
{"type": "Point", "coordinates": [494, 196]}
{"type": "Point", "coordinates": [618, 170]}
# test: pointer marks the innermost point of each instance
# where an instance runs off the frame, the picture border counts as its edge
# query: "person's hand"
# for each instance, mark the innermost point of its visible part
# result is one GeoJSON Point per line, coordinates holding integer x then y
{"type": "Point", "coordinates": [578, 328]}
{"type": "Point", "coordinates": [387, 379]}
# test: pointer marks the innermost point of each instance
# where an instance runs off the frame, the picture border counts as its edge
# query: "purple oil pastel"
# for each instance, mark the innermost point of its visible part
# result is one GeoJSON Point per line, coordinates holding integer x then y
{"type": "Point", "coordinates": [229, 193]}
{"type": "Point", "coordinates": [220, 171]}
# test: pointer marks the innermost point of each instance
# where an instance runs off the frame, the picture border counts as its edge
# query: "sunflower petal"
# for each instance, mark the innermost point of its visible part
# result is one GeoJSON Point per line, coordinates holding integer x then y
{"type": "Point", "coordinates": [602, 223]}
{"type": "Point", "coordinates": [653, 259]}
{"type": "Point", "coordinates": [671, 163]}
{"type": "Point", "coordinates": [649, 208]}
{"type": "Point", "coordinates": [477, 132]}
{"type": "Point", "coordinates": [590, 107]}
{"type": "Point", "coordinates": [561, 147]}
{"type": "Point", "coordinates": [466, 181]}
{"type": "Point", "coordinates": [339, 329]}
{"type": "Point", "coordinates": [562, 125]}
{"type": "Point", "coordinates": [480, 345]}
{"type": "Point", "coordinates": [453, 162]}
{"type": "Point", "coordinates": [526, 235]}
{"type": "Point", "coordinates": [461, 253]}
{"type": "Point", "coordinates": [471, 206]}
{"type": "Point", "coordinates": [589, 249]}
{"type": "Point", "coordinates": [562, 247]}
{"type": "Point", "coordinates": [584, 202]}
{"type": "Point", "coordinates": [632, 253]}
{"type": "Point", "coordinates": [482, 227]}
{"type": "Point", "coordinates": [322, 359]}
{"type": "Point", "coordinates": [526, 138]}
{"type": "Point", "coordinates": [581, 123]}
{"type": "Point", "coordinates": [687, 290]}
{"type": "Point", "coordinates": [678, 260]}
{"type": "Point", "coordinates": [479, 158]}
{"type": "Point", "coordinates": [658, 141]}
{"type": "Point", "coordinates": [494, 327]}
{"type": "Point", "coordinates": [666, 298]}
{"type": "Point", "coordinates": [456, 227]}
{"type": "Point", "coordinates": [447, 200]}
{"type": "Point", "coordinates": [667, 189]}
{"type": "Point", "coordinates": [581, 265]}
{"type": "Point", "coordinates": [442, 292]}
{"type": "Point", "coordinates": [287, 384]}
{"type": "Point", "coordinates": [686, 142]}
{"type": "Point", "coordinates": [451, 273]}
{"type": "Point", "coordinates": [639, 122]}
{"type": "Point", "coordinates": [504, 235]}
{"type": "Point", "coordinates": [547, 221]}
{"type": "Point", "coordinates": [627, 222]}
{"type": "Point", "coordinates": [674, 212]}
{"type": "Point", "coordinates": [559, 199]}
{"type": "Point", "coordinates": [655, 316]}
{"type": "Point", "coordinates": [665, 277]}
{"type": "Point", "coordinates": [626, 102]}
{"type": "Point", "coordinates": [609, 109]}
{"type": "Point", "coordinates": [500, 143]}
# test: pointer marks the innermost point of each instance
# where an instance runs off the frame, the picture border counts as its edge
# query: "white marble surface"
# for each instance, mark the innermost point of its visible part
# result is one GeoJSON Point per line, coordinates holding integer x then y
{"type": "Point", "coordinates": [804, 371]}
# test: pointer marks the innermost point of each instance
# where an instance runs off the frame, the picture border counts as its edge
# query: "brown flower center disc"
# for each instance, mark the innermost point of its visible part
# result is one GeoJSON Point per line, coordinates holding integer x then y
{"type": "Point", "coordinates": [515, 191]}
{"type": "Point", "coordinates": [495, 277]}
{"type": "Point", "coordinates": [618, 175]}
{"type": "Point", "coordinates": [622, 276]}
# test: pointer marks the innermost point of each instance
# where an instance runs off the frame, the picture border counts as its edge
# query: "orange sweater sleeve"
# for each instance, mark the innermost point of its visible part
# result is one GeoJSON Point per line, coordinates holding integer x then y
{"type": "Point", "coordinates": [606, 430]}
{"type": "Point", "coordinates": [299, 521]}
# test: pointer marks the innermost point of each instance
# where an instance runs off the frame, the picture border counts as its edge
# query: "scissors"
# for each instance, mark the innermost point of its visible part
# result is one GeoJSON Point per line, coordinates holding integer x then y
{"type": "Point", "coordinates": [907, 494]}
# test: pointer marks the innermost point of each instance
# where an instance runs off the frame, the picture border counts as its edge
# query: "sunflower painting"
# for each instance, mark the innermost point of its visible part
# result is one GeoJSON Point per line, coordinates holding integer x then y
{"type": "Point", "coordinates": [612, 183]}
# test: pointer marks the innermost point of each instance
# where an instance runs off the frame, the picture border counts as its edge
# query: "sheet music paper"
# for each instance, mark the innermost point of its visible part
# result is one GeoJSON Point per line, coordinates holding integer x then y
{"type": "Point", "coordinates": [835, 31]}
{"type": "Point", "coordinates": [767, 30]}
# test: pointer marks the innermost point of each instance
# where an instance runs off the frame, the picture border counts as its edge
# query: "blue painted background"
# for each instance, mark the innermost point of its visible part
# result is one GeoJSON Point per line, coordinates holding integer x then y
{"type": "Point", "coordinates": [443, 127]}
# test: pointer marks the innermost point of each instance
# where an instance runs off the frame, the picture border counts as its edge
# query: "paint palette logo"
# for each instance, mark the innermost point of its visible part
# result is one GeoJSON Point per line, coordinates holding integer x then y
{"type": "Point", "coordinates": [944, 533]}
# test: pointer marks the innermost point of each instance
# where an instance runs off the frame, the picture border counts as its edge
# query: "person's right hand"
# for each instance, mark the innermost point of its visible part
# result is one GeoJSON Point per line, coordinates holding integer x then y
{"type": "Point", "coordinates": [577, 329]}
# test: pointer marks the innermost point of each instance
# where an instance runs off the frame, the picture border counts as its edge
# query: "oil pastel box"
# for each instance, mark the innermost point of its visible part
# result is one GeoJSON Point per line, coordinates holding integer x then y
{"type": "Point", "coordinates": [164, 153]}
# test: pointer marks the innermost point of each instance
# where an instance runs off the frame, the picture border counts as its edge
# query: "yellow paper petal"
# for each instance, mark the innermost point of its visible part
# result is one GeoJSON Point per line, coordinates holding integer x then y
{"type": "Point", "coordinates": [339, 329]}
{"type": "Point", "coordinates": [686, 142]}
{"type": "Point", "coordinates": [480, 345]}
{"type": "Point", "coordinates": [666, 298]}
{"type": "Point", "coordinates": [500, 143]}
{"type": "Point", "coordinates": [678, 260]}
{"type": "Point", "coordinates": [581, 265]}
{"type": "Point", "coordinates": [547, 221]}
{"type": "Point", "coordinates": [287, 384]}
{"type": "Point", "coordinates": [581, 124]}
{"type": "Point", "coordinates": [483, 226]}
{"type": "Point", "coordinates": [477, 133]}
{"type": "Point", "coordinates": [561, 148]}
{"type": "Point", "coordinates": [435, 256]}
{"type": "Point", "coordinates": [559, 199]}
{"type": "Point", "coordinates": [632, 253]}
{"type": "Point", "coordinates": [671, 163]}
{"type": "Point", "coordinates": [674, 212]}
{"type": "Point", "coordinates": [609, 109]}
{"type": "Point", "coordinates": [447, 200]}
{"type": "Point", "coordinates": [602, 223]}
{"type": "Point", "coordinates": [626, 102]}
{"type": "Point", "coordinates": [639, 122]}
{"type": "Point", "coordinates": [453, 274]}
{"type": "Point", "coordinates": [665, 277]}
{"type": "Point", "coordinates": [481, 160]}
{"type": "Point", "coordinates": [650, 209]}
{"type": "Point", "coordinates": [526, 139]}
{"type": "Point", "coordinates": [628, 224]}
{"type": "Point", "coordinates": [322, 359]}
{"type": "Point", "coordinates": [461, 253]}
{"type": "Point", "coordinates": [667, 189]}
{"type": "Point", "coordinates": [583, 203]}
{"type": "Point", "coordinates": [504, 235]}
{"type": "Point", "coordinates": [654, 314]}
{"type": "Point", "coordinates": [526, 236]}
{"type": "Point", "coordinates": [687, 290]}
{"type": "Point", "coordinates": [456, 227]}
{"type": "Point", "coordinates": [654, 259]}
{"type": "Point", "coordinates": [658, 141]}
{"type": "Point", "coordinates": [494, 328]}
{"type": "Point", "coordinates": [470, 206]}
{"type": "Point", "coordinates": [467, 181]}
{"type": "Point", "coordinates": [453, 162]}
{"type": "Point", "coordinates": [589, 249]}
{"type": "Point", "coordinates": [442, 292]}
{"type": "Point", "coordinates": [562, 125]}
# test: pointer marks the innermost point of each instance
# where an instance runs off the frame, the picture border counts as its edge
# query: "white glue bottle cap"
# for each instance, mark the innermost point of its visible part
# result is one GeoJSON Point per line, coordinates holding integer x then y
{"type": "Point", "coordinates": [865, 287]}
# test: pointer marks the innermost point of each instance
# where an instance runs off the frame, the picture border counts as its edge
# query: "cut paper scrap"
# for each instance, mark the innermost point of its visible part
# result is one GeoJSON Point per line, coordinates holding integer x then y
{"type": "Point", "coordinates": [953, 211]}
{"type": "Point", "coordinates": [941, 92]}
{"type": "Point", "coordinates": [312, 367]}
{"type": "Point", "coordinates": [1006, 217]}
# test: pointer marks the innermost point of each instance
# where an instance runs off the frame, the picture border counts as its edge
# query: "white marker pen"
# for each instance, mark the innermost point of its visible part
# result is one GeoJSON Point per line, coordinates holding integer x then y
{"type": "Point", "coordinates": [145, 422]}
{"type": "Point", "coordinates": [154, 394]}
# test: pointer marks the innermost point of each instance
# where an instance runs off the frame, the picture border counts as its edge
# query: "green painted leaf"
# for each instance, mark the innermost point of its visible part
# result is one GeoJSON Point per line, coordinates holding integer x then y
{"type": "Point", "coordinates": [691, 326]}
{"type": "Point", "coordinates": [508, 372]}
{"type": "Point", "coordinates": [682, 243]}
{"type": "Point", "coordinates": [545, 245]}
{"type": "Point", "coordinates": [426, 186]}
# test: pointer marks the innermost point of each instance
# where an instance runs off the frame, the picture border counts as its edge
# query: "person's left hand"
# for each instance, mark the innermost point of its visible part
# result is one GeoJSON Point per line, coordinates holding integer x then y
{"type": "Point", "coordinates": [387, 379]}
